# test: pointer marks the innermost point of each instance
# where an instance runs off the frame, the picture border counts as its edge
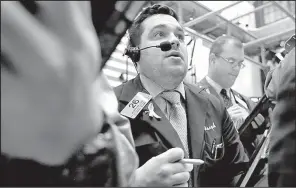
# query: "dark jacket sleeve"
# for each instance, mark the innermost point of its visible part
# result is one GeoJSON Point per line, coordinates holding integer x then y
{"type": "Point", "coordinates": [282, 156]}
{"type": "Point", "coordinates": [235, 159]}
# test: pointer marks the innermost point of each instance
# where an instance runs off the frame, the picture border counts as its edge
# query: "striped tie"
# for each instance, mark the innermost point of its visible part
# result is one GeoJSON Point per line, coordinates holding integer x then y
{"type": "Point", "coordinates": [227, 100]}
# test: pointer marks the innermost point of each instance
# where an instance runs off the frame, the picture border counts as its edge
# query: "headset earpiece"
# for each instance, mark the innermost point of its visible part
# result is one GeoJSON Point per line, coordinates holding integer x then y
{"type": "Point", "coordinates": [133, 53]}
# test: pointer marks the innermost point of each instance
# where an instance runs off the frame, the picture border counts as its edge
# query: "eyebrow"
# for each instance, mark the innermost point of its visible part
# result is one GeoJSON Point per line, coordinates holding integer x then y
{"type": "Point", "coordinates": [232, 58]}
{"type": "Point", "coordinates": [165, 26]}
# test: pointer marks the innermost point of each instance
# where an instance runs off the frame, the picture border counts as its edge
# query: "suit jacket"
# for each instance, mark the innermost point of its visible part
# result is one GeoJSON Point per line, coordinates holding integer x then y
{"type": "Point", "coordinates": [282, 156]}
{"type": "Point", "coordinates": [249, 139]}
{"type": "Point", "coordinates": [207, 120]}
{"type": "Point", "coordinates": [248, 102]}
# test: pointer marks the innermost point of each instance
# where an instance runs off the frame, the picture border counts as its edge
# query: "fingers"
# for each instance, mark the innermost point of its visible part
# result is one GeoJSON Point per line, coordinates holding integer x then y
{"type": "Point", "coordinates": [235, 106]}
{"type": "Point", "coordinates": [174, 168]}
{"type": "Point", "coordinates": [188, 167]}
{"type": "Point", "coordinates": [172, 155]}
{"type": "Point", "coordinates": [236, 115]}
{"type": "Point", "coordinates": [234, 110]}
{"type": "Point", "coordinates": [179, 178]}
{"type": "Point", "coordinates": [254, 125]}
{"type": "Point", "coordinates": [260, 118]}
{"type": "Point", "coordinates": [258, 121]}
{"type": "Point", "coordinates": [237, 112]}
{"type": "Point", "coordinates": [25, 41]}
{"type": "Point", "coordinates": [72, 22]}
{"type": "Point", "coordinates": [68, 19]}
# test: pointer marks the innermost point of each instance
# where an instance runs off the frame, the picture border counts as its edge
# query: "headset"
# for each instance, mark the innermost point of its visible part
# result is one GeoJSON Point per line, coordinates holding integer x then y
{"type": "Point", "coordinates": [134, 52]}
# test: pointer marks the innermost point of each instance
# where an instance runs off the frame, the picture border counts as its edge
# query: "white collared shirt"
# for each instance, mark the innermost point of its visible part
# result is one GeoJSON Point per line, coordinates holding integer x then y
{"type": "Point", "coordinates": [155, 90]}
{"type": "Point", "coordinates": [218, 89]}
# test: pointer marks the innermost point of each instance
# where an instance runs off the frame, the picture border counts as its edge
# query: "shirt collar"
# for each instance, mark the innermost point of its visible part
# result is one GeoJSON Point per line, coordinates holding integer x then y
{"type": "Point", "coordinates": [154, 89]}
{"type": "Point", "coordinates": [217, 86]}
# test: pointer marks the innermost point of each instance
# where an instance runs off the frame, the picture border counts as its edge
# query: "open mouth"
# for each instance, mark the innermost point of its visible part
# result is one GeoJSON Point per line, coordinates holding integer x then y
{"type": "Point", "coordinates": [175, 54]}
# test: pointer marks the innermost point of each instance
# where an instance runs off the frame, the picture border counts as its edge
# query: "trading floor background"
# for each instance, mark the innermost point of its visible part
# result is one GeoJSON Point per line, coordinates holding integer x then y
{"type": "Point", "coordinates": [263, 27]}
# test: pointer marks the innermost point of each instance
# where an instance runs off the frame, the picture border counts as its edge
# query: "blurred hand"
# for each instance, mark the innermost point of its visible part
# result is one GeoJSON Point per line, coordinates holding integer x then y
{"type": "Point", "coordinates": [164, 170]}
{"type": "Point", "coordinates": [237, 113]}
{"type": "Point", "coordinates": [47, 106]}
{"type": "Point", "coordinates": [258, 121]}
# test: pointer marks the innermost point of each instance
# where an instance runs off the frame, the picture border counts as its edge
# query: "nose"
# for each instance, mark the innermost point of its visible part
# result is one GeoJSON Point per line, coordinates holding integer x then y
{"type": "Point", "coordinates": [236, 68]}
{"type": "Point", "coordinates": [175, 43]}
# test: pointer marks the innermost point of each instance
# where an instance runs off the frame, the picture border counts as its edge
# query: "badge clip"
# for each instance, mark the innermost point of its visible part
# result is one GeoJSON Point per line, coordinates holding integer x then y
{"type": "Point", "coordinates": [135, 106]}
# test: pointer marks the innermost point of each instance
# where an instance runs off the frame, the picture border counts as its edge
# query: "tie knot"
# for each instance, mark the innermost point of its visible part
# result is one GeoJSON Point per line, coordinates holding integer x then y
{"type": "Point", "coordinates": [171, 96]}
{"type": "Point", "coordinates": [224, 93]}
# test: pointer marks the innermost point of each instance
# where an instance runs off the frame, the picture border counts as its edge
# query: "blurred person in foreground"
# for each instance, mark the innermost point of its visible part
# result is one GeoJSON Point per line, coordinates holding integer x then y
{"type": "Point", "coordinates": [280, 86]}
{"type": "Point", "coordinates": [59, 120]}
{"type": "Point", "coordinates": [179, 120]}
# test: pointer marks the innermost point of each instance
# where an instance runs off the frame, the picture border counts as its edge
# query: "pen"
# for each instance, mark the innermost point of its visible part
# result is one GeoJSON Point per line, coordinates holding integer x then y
{"type": "Point", "coordinates": [213, 146]}
{"type": "Point", "coordinates": [192, 161]}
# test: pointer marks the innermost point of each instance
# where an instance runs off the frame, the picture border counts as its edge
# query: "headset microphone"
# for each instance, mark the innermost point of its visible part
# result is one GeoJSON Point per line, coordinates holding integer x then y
{"type": "Point", "coordinates": [134, 52]}
{"type": "Point", "coordinates": [165, 46]}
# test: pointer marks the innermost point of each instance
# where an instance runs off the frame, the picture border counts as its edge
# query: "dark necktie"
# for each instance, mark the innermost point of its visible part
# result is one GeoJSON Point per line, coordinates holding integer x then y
{"type": "Point", "coordinates": [226, 99]}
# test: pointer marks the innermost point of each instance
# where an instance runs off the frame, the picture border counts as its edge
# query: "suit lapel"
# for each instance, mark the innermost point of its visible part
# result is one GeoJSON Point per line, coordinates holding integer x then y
{"type": "Point", "coordinates": [204, 83]}
{"type": "Point", "coordinates": [163, 126]}
{"type": "Point", "coordinates": [196, 115]}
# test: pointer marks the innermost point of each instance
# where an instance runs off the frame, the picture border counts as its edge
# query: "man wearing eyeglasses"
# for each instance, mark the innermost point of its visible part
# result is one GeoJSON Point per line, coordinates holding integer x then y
{"type": "Point", "coordinates": [225, 62]}
{"type": "Point", "coordinates": [226, 59]}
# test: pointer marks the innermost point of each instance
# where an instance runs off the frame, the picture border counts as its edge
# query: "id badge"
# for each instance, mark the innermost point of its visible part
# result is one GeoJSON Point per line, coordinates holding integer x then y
{"type": "Point", "coordinates": [134, 107]}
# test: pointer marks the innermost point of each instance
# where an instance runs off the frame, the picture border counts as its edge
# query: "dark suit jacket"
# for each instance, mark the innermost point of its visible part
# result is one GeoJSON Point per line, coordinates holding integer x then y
{"type": "Point", "coordinates": [282, 156]}
{"type": "Point", "coordinates": [249, 138]}
{"type": "Point", "coordinates": [204, 84]}
{"type": "Point", "coordinates": [153, 137]}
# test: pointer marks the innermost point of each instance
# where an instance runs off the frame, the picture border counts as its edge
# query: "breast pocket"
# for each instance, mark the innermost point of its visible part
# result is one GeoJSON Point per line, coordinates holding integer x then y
{"type": "Point", "coordinates": [213, 145]}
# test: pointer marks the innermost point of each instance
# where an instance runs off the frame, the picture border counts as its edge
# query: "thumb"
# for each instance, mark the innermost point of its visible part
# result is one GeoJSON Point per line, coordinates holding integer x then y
{"type": "Point", "coordinates": [233, 107]}
{"type": "Point", "coordinates": [172, 155]}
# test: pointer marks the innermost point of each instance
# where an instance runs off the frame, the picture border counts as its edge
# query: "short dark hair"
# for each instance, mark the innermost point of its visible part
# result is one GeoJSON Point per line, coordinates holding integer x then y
{"type": "Point", "coordinates": [136, 30]}
{"type": "Point", "coordinates": [218, 45]}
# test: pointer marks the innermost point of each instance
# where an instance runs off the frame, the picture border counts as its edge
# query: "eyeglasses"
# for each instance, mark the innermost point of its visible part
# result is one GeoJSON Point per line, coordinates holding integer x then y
{"type": "Point", "coordinates": [233, 63]}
